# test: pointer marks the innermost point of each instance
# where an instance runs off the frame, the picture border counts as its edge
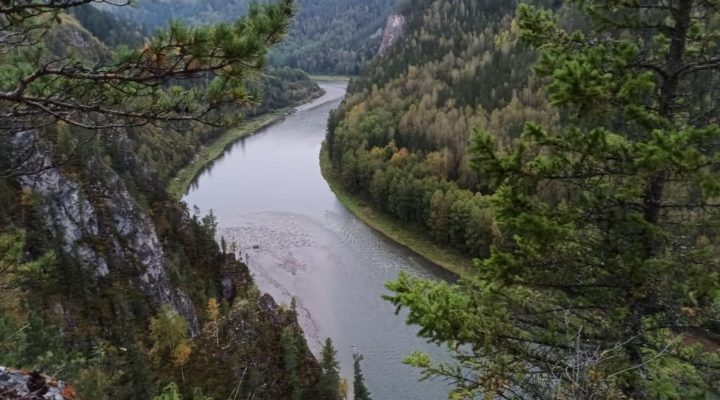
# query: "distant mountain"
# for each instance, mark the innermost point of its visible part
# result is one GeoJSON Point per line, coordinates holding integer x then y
{"type": "Point", "coordinates": [334, 36]}
{"type": "Point", "coordinates": [328, 37]}
{"type": "Point", "coordinates": [111, 29]}
{"type": "Point", "coordinates": [156, 13]}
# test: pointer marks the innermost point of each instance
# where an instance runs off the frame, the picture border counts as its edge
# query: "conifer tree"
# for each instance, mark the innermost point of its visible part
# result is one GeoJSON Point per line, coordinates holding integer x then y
{"type": "Point", "coordinates": [361, 392]}
{"type": "Point", "coordinates": [292, 362]}
{"type": "Point", "coordinates": [329, 385]}
{"type": "Point", "coordinates": [606, 281]}
{"type": "Point", "coordinates": [155, 84]}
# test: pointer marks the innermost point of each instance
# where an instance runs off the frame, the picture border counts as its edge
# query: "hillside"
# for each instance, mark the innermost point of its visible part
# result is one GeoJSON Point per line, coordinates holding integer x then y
{"type": "Point", "coordinates": [400, 137]}
{"type": "Point", "coordinates": [567, 148]}
{"type": "Point", "coordinates": [109, 283]}
{"type": "Point", "coordinates": [327, 37]}
{"type": "Point", "coordinates": [334, 36]}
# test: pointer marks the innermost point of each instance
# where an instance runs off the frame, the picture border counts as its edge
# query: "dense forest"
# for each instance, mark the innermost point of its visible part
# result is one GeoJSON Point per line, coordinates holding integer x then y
{"type": "Point", "coordinates": [334, 36]}
{"type": "Point", "coordinates": [327, 37]}
{"type": "Point", "coordinates": [571, 149]}
{"type": "Point", "coordinates": [107, 282]}
{"type": "Point", "coordinates": [401, 135]}
{"type": "Point", "coordinates": [275, 89]}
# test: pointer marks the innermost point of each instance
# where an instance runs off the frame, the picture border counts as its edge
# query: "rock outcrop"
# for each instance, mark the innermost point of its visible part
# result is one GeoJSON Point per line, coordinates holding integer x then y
{"type": "Point", "coordinates": [394, 30]}
{"type": "Point", "coordinates": [21, 385]}
{"type": "Point", "coordinates": [80, 215]}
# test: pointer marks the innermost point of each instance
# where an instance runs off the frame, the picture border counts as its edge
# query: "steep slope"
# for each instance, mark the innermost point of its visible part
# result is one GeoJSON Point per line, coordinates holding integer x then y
{"type": "Point", "coordinates": [328, 36]}
{"type": "Point", "coordinates": [95, 257]}
{"type": "Point", "coordinates": [279, 88]}
{"type": "Point", "coordinates": [584, 226]}
{"type": "Point", "coordinates": [334, 36]}
{"type": "Point", "coordinates": [399, 139]}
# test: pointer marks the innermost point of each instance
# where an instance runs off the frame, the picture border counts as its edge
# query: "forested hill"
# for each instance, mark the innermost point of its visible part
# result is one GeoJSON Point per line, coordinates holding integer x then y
{"type": "Point", "coordinates": [334, 36]}
{"type": "Point", "coordinates": [571, 149]}
{"type": "Point", "coordinates": [327, 37]}
{"type": "Point", "coordinates": [106, 281]}
{"type": "Point", "coordinates": [400, 137]}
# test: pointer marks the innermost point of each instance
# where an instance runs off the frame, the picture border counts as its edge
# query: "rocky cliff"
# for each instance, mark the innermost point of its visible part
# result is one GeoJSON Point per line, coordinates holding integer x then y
{"type": "Point", "coordinates": [80, 214]}
{"type": "Point", "coordinates": [102, 249]}
{"type": "Point", "coordinates": [393, 31]}
{"type": "Point", "coordinates": [22, 385]}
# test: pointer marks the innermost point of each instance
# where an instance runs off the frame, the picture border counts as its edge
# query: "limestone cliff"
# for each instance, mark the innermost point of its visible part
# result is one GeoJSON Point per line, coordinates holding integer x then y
{"type": "Point", "coordinates": [72, 213]}
{"type": "Point", "coordinates": [393, 31]}
{"type": "Point", "coordinates": [116, 248]}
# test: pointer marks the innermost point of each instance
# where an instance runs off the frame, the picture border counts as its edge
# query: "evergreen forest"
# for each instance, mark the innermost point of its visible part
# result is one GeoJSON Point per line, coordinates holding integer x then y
{"type": "Point", "coordinates": [335, 37]}
{"type": "Point", "coordinates": [570, 149]}
{"type": "Point", "coordinates": [542, 178]}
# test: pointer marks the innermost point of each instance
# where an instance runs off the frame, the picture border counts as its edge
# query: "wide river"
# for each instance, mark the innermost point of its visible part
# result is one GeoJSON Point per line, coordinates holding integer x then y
{"type": "Point", "coordinates": [298, 240]}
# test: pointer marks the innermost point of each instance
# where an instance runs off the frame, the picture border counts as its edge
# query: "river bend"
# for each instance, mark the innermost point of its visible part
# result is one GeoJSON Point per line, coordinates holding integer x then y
{"type": "Point", "coordinates": [298, 240]}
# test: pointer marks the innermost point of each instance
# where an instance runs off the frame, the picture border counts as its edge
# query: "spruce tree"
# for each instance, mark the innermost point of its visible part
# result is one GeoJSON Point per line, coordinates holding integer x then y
{"type": "Point", "coordinates": [361, 392]}
{"type": "Point", "coordinates": [292, 362]}
{"type": "Point", "coordinates": [329, 385]}
{"type": "Point", "coordinates": [606, 280]}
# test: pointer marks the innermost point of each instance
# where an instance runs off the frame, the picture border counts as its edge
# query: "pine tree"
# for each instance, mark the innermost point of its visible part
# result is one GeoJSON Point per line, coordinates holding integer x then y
{"type": "Point", "coordinates": [136, 382]}
{"type": "Point", "coordinates": [292, 362]}
{"type": "Point", "coordinates": [138, 86]}
{"type": "Point", "coordinates": [361, 392]}
{"type": "Point", "coordinates": [607, 281]}
{"type": "Point", "coordinates": [329, 385]}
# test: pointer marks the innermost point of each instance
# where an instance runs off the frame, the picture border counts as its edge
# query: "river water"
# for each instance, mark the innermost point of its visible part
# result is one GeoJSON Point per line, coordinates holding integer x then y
{"type": "Point", "coordinates": [298, 240]}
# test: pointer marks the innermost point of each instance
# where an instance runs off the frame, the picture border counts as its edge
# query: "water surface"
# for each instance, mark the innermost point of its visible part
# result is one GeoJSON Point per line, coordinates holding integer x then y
{"type": "Point", "coordinates": [298, 240]}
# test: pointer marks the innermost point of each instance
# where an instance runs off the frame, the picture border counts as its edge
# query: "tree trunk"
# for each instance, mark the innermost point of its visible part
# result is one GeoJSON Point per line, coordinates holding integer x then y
{"type": "Point", "coordinates": [653, 194]}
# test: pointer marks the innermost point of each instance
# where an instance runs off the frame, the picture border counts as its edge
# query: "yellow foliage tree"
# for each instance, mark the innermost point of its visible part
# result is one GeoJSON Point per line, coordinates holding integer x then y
{"type": "Point", "coordinates": [180, 356]}
{"type": "Point", "coordinates": [344, 388]}
{"type": "Point", "coordinates": [168, 330]}
{"type": "Point", "coordinates": [213, 313]}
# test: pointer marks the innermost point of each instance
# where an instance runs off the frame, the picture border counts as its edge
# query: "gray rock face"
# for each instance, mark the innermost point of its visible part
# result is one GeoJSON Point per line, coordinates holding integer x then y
{"type": "Point", "coordinates": [270, 308]}
{"type": "Point", "coordinates": [67, 211]}
{"type": "Point", "coordinates": [17, 385]}
{"type": "Point", "coordinates": [394, 29]}
{"type": "Point", "coordinates": [75, 219]}
{"type": "Point", "coordinates": [227, 288]}
{"type": "Point", "coordinates": [137, 231]}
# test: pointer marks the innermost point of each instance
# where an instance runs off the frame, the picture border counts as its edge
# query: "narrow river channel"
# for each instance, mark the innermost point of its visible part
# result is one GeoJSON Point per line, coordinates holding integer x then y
{"type": "Point", "coordinates": [270, 198]}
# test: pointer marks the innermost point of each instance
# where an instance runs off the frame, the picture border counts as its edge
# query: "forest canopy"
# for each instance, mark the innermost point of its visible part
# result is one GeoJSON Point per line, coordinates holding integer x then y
{"type": "Point", "coordinates": [326, 37]}
{"type": "Point", "coordinates": [571, 148]}
{"type": "Point", "coordinates": [131, 87]}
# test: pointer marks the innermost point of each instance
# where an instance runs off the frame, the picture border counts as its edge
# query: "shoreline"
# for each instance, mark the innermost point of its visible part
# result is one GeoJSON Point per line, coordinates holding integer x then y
{"type": "Point", "coordinates": [444, 257]}
{"type": "Point", "coordinates": [331, 78]}
{"type": "Point", "coordinates": [180, 183]}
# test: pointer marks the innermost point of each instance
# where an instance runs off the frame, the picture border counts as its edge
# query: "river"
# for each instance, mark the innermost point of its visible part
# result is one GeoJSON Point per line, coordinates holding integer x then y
{"type": "Point", "coordinates": [298, 240]}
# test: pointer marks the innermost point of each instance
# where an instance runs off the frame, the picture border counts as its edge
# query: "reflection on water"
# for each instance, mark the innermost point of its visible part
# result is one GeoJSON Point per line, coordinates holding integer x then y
{"type": "Point", "coordinates": [299, 241]}
{"type": "Point", "coordinates": [207, 170]}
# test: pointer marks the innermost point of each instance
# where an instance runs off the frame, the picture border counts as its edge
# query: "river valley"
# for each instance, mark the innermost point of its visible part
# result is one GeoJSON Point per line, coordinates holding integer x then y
{"type": "Point", "coordinates": [299, 241]}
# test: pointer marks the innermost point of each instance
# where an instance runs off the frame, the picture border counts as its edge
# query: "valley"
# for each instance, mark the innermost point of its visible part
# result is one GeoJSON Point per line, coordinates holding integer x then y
{"type": "Point", "coordinates": [270, 199]}
{"type": "Point", "coordinates": [335, 200]}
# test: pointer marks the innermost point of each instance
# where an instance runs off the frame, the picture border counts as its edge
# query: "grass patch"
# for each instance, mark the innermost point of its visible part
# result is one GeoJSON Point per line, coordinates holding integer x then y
{"type": "Point", "coordinates": [179, 185]}
{"type": "Point", "coordinates": [410, 236]}
{"type": "Point", "coordinates": [331, 78]}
